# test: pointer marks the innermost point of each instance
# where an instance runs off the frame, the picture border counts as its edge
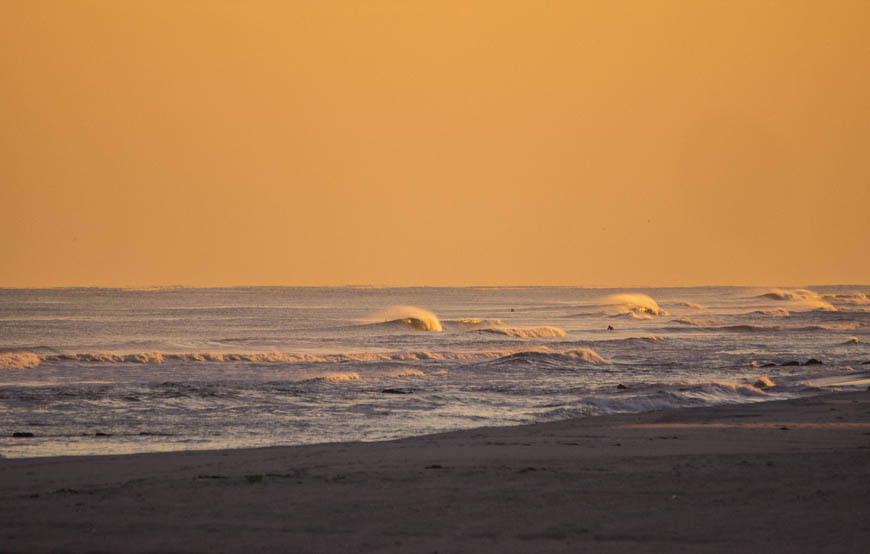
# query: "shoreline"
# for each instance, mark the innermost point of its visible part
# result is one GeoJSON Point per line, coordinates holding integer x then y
{"type": "Point", "coordinates": [740, 476]}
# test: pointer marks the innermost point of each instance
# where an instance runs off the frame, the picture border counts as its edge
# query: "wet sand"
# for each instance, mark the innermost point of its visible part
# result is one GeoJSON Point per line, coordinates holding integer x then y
{"type": "Point", "coordinates": [789, 476]}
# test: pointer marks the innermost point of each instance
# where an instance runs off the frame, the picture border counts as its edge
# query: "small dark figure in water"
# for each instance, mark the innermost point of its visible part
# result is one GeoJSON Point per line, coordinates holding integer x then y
{"type": "Point", "coordinates": [610, 327]}
{"type": "Point", "coordinates": [512, 309]}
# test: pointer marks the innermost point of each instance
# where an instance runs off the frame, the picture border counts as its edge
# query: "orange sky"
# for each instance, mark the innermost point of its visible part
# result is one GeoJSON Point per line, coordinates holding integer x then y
{"type": "Point", "coordinates": [434, 143]}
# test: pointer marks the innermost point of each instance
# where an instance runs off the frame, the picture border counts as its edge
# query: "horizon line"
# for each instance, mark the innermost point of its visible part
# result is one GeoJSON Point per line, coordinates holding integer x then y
{"type": "Point", "coordinates": [145, 288]}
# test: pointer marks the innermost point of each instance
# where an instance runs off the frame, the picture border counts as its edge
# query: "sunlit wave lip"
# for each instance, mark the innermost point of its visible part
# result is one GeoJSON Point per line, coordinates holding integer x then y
{"type": "Point", "coordinates": [414, 317]}
{"type": "Point", "coordinates": [405, 372]}
{"type": "Point", "coordinates": [636, 305]}
{"type": "Point", "coordinates": [19, 360]}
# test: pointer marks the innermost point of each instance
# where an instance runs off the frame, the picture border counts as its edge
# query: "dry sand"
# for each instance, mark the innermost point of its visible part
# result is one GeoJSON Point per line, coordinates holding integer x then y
{"type": "Point", "coordinates": [788, 476]}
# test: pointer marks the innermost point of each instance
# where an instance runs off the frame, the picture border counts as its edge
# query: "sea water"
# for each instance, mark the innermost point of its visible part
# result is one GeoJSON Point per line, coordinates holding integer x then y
{"type": "Point", "coordinates": [105, 371]}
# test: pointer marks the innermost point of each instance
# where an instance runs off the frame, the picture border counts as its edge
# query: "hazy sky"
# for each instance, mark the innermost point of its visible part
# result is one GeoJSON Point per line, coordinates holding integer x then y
{"type": "Point", "coordinates": [439, 143]}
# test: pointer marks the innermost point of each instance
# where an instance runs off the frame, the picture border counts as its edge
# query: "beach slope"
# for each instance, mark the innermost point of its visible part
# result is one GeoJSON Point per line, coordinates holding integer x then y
{"type": "Point", "coordinates": [779, 476]}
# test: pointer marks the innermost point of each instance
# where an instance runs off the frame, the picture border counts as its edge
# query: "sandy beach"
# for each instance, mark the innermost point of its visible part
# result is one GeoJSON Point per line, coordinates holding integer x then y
{"type": "Point", "coordinates": [793, 476]}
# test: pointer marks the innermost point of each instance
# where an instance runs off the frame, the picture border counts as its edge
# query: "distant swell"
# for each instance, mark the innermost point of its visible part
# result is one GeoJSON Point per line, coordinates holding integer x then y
{"type": "Point", "coordinates": [688, 304]}
{"type": "Point", "coordinates": [472, 322]}
{"type": "Point", "coordinates": [697, 322]}
{"type": "Point", "coordinates": [746, 328]}
{"type": "Point", "coordinates": [586, 355]}
{"type": "Point", "coordinates": [774, 312]}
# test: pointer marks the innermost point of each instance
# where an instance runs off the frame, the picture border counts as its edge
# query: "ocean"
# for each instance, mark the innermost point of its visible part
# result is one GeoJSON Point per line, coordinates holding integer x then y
{"type": "Point", "coordinates": [114, 371]}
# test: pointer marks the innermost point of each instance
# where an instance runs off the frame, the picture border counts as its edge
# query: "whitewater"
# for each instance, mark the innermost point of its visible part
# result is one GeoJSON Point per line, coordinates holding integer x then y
{"type": "Point", "coordinates": [109, 371]}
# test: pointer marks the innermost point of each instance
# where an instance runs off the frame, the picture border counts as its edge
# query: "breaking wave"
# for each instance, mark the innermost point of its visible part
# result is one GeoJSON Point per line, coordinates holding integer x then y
{"type": "Point", "coordinates": [406, 372]}
{"type": "Point", "coordinates": [339, 377]}
{"type": "Point", "coordinates": [19, 360]}
{"type": "Point", "coordinates": [525, 332]}
{"type": "Point", "coordinates": [803, 297]}
{"type": "Point", "coordinates": [412, 316]}
{"type": "Point", "coordinates": [637, 305]}
{"type": "Point", "coordinates": [858, 298]}
{"type": "Point", "coordinates": [30, 359]}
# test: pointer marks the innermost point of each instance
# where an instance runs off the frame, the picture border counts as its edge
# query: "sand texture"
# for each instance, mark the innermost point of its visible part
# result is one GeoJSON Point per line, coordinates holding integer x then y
{"type": "Point", "coordinates": [788, 476]}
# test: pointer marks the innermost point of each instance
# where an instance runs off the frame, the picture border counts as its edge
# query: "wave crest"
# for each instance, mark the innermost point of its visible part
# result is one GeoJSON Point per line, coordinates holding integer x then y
{"type": "Point", "coordinates": [692, 322]}
{"type": "Point", "coordinates": [688, 304]}
{"type": "Point", "coordinates": [339, 377]}
{"type": "Point", "coordinates": [636, 305]}
{"type": "Point", "coordinates": [803, 297]}
{"type": "Point", "coordinates": [420, 319]}
{"type": "Point", "coordinates": [406, 372]}
{"type": "Point", "coordinates": [774, 312]}
{"type": "Point", "coordinates": [858, 298]}
{"type": "Point", "coordinates": [548, 358]}
{"type": "Point", "coordinates": [525, 332]}
{"type": "Point", "coordinates": [19, 360]}
{"type": "Point", "coordinates": [275, 357]}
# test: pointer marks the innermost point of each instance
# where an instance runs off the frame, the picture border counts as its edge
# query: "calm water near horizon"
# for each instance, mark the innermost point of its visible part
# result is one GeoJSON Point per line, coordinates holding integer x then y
{"type": "Point", "coordinates": [100, 371]}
